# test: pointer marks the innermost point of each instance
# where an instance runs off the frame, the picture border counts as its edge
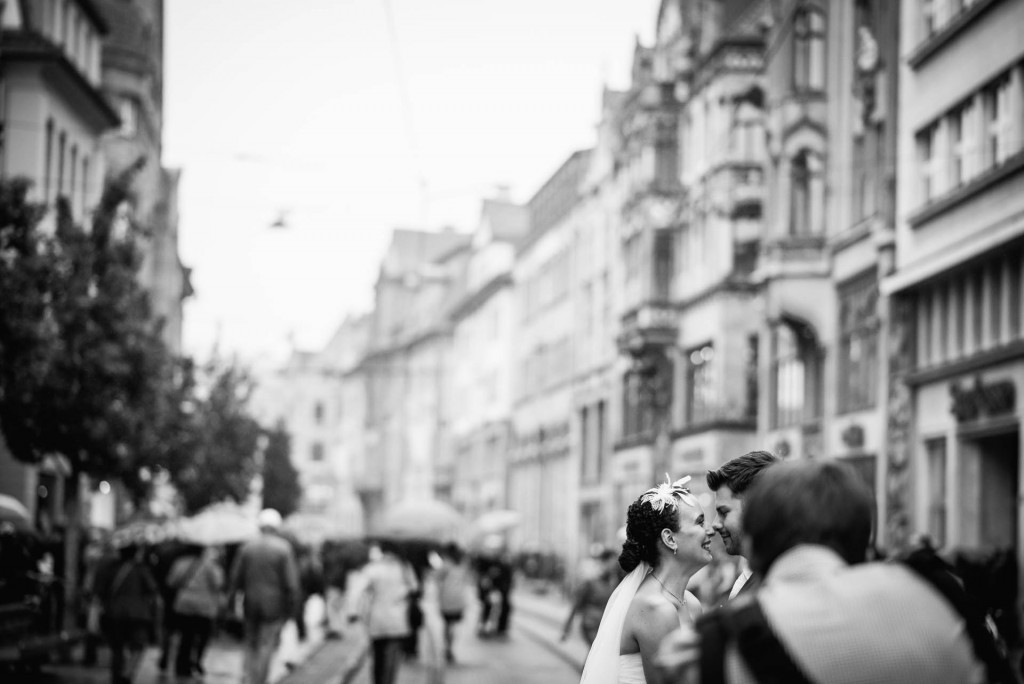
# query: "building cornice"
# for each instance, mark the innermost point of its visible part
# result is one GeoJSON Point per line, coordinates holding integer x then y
{"type": "Point", "coordinates": [474, 301]}
{"type": "Point", "coordinates": [21, 46]}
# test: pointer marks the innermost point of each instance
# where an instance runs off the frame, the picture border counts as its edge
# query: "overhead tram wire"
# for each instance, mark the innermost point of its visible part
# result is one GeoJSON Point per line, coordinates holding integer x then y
{"type": "Point", "coordinates": [406, 105]}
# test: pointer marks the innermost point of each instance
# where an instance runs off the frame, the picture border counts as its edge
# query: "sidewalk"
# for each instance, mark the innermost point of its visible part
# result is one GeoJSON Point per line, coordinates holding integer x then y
{"type": "Point", "coordinates": [223, 661]}
{"type": "Point", "coordinates": [541, 617]}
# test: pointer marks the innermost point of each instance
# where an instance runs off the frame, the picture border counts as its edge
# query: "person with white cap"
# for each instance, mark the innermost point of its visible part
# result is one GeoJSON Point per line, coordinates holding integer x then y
{"type": "Point", "coordinates": [266, 574]}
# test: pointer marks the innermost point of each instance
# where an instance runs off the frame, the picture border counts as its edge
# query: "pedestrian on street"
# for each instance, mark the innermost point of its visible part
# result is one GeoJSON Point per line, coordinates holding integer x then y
{"type": "Point", "coordinates": [266, 574]}
{"type": "Point", "coordinates": [199, 583]}
{"type": "Point", "coordinates": [453, 583]}
{"type": "Point", "coordinates": [131, 610]}
{"type": "Point", "coordinates": [381, 597]}
{"type": "Point", "coordinates": [592, 597]}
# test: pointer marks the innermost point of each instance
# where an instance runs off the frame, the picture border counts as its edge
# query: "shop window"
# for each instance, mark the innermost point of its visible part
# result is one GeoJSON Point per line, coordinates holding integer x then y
{"type": "Point", "coordinates": [858, 345]}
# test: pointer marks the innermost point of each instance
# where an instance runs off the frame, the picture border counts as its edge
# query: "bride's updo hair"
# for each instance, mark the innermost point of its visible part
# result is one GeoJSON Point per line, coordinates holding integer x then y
{"type": "Point", "coordinates": [643, 533]}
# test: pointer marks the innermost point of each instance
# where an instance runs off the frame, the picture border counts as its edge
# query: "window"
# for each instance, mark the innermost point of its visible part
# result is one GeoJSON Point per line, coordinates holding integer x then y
{"type": "Point", "coordinates": [85, 181]}
{"type": "Point", "coordinates": [71, 182]}
{"type": "Point", "coordinates": [959, 145]}
{"type": "Point", "coordinates": [663, 264]}
{"type": "Point", "coordinates": [48, 160]}
{"type": "Point", "coordinates": [318, 413]}
{"type": "Point", "coordinates": [997, 129]}
{"type": "Point", "coordinates": [637, 418]}
{"type": "Point", "coordinates": [62, 141]}
{"type": "Point", "coordinates": [128, 112]}
{"type": "Point", "coordinates": [926, 162]}
{"type": "Point", "coordinates": [808, 50]}
{"type": "Point", "coordinates": [927, 18]}
{"type": "Point", "coordinates": [858, 344]}
{"type": "Point", "coordinates": [751, 373]}
{"type": "Point", "coordinates": [936, 464]}
{"type": "Point", "coordinates": [316, 452]}
{"type": "Point", "coordinates": [700, 390]}
{"type": "Point", "coordinates": [800, 195]}
{"type": "Point", "coordinates": [796, 374]}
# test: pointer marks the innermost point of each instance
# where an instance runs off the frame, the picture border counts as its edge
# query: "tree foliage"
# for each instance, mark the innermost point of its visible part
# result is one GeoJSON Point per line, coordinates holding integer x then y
{"type": "Point", "coordinates": [218, 457]}
{"type": "Point", "coordinates": [281, 488]}
{"type": "Point", "coordinates": [83, 367]}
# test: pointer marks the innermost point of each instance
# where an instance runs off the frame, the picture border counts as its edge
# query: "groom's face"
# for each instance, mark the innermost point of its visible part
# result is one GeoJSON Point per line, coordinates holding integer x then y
{"type": "Point", "coordinates": [728, 525]}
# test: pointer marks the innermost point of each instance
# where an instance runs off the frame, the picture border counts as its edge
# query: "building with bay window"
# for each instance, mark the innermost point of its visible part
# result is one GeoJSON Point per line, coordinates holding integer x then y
{"type": "Point", "coordinates": [956, 352]}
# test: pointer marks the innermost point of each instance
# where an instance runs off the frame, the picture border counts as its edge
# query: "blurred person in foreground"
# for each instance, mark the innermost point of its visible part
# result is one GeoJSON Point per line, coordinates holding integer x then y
{"type": "Point", "coordinates": [823, 614]}
{"type": "Point", "coordinates": [592, 597]}
{"type": "Point", "coordinates": [199, 583]}
{"type": "Point", "coordinates": [730, 484]}
{"type": "Point", "coordinates": [266, 574]}
{"type": "Point", "coordinates": [667, 542]}
{"type": "Point", "coordinates": [381, 593]}
{"type": "Point", "coordinates": [131, 609]}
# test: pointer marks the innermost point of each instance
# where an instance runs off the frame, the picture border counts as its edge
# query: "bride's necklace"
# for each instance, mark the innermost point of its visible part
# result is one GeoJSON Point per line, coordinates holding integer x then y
{"type": "Point", "coordinates": [682, 602]}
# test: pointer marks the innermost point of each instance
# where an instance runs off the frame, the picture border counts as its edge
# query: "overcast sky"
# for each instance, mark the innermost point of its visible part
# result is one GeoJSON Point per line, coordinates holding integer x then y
{"type": "Point", "coordinates": [297, 107]}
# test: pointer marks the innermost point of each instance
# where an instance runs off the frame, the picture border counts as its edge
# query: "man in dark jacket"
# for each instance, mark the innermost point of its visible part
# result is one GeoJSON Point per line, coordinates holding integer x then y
{"type": "Point", "coordinates": [265, 573]}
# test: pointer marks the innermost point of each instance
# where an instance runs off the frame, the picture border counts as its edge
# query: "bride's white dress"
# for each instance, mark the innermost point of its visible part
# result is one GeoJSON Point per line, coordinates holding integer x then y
{"type": "Point", "coordinates": [605, 665]}
{"type": "Point", "coordinates": [631, 669]}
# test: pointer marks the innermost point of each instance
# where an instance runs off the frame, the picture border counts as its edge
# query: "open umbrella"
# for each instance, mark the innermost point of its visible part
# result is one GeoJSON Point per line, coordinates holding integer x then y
{"type": "Point", "coordinates": [422, 519]}
{"type": "Point", "coordinates": [217, 526]}
{"type": "Point", "coordinates": [14, 514]}
{"type": "Point", "coordinates": [496, 522]}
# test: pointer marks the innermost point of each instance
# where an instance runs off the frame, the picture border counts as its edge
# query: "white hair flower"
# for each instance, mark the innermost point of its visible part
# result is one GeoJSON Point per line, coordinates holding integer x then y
{"type": "Point", "coordinates": [667, 492]}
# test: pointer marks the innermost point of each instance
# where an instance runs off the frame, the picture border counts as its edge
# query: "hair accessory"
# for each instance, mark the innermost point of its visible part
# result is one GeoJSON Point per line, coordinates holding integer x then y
{"type": "Point", "coordinates": [667, 492]}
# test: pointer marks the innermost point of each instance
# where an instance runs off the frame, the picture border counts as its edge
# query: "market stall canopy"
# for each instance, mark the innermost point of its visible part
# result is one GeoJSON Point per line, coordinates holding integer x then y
{"type": "Point", "coordinates": [423, 519]}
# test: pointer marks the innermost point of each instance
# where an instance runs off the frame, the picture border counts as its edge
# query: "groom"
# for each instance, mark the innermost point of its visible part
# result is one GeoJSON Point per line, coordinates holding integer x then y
{"type": "Point", "coordinates": [730, 484]}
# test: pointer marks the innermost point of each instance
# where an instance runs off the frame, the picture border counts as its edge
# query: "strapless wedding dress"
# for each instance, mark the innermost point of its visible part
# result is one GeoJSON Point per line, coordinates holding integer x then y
{"type": "Point", "coordinates": [631, 669]}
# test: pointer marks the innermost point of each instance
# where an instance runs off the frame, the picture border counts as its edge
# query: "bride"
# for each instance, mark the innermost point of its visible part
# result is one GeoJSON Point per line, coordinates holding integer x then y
{"type": "Point", "coordinates": [667, 541]}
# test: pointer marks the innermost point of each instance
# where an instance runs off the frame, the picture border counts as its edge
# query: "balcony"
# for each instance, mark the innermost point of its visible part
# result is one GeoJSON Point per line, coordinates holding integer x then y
{"type": "Point", "coordinates": [652, 324]}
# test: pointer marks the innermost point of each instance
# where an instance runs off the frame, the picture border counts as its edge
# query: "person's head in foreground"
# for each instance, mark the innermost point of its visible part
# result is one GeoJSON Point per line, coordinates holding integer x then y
{"type": "Point", "coordinates": [807, 502]}
{"type": "Point", "coordinates": [730, 484]}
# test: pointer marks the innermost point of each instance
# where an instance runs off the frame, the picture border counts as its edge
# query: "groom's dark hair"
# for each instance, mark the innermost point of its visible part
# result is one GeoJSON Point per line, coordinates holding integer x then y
{"type": "Point", "coordinates": [739, 473]}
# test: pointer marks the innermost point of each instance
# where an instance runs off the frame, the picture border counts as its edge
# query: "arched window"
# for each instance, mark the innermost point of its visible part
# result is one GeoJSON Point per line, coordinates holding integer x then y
{"type": "Point", "coordinates": [796, 374]}
{"type": "Point", "coordinates": [808, 49]}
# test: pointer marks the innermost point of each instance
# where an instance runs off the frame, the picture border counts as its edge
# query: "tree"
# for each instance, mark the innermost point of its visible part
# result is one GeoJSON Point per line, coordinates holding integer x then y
{"type": "Point", "coordinates": [281, 488]}
{"type": "Point", "coordinates": [83, 368]}
{"type": "Point", "coordinates": [218, 460]}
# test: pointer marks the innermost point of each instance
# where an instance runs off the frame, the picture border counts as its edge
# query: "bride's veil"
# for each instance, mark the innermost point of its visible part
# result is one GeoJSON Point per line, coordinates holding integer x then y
{"type": "Point", "coordinates": [603, 660]}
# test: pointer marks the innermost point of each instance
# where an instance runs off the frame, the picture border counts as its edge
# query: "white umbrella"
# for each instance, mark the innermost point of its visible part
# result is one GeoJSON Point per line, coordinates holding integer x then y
{"type": "Point", "coordinates": [422, 519]}
{"type": "Point", "coordinates": [496, 522]}
{"type": "Point", "coordinates": [217, 526]}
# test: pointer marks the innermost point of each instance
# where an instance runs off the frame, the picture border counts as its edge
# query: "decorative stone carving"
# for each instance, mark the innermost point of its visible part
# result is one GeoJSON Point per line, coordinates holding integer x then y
{"type": "Point", "coordinates": [898, 423]}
